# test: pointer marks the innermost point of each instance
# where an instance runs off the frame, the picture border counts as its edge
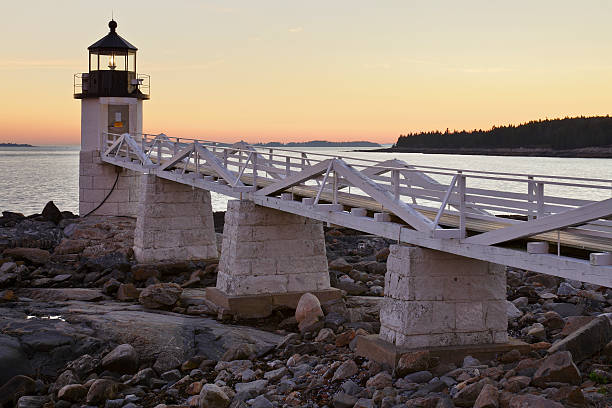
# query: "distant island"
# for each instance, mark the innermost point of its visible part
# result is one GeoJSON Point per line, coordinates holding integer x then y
{"type": "Point", "coordinates": [567, 137]}
{"type": "Point", "coordinates": [15, 145]}
{"type": "Point", "coordinates": [319, 143]}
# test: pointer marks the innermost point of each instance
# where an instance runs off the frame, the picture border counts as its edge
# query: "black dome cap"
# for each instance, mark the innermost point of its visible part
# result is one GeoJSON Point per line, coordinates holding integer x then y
{"type": "Point", "coordinates": [112, 41]}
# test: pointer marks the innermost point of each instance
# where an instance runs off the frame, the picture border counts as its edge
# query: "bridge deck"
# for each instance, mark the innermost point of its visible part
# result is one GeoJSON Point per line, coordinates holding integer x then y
{"type": "Point", "coordinates": [426, 206]}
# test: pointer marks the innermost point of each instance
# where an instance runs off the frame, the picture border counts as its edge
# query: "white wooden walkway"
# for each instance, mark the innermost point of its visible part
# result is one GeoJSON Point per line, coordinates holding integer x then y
{"type": "Point", "coordinates": [521, 224]}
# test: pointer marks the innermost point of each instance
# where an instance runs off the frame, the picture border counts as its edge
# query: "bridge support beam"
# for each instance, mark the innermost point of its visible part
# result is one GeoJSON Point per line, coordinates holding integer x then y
{"type": "Point", "coordinates": [96, 180]}
{"type": "Point", "coordinates": [174, 222]}
{"type": "Point", "coordinates": [448, 304]}
{"type": "Point", "coordinates": [269, 258]}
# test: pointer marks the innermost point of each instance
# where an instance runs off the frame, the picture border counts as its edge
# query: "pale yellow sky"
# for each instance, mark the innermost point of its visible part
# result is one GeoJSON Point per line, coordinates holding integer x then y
{"type": "Point", "coordinates": [292, 71]}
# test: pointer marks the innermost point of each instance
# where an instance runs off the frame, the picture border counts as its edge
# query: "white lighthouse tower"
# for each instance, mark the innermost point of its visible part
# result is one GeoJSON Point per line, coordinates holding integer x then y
{"type": "Point", "coordinates": [111, 95]}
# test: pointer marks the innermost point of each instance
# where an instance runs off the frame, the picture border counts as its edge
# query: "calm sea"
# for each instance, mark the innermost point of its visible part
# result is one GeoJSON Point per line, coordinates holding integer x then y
{"type": "Point", "coordinates": [32, 176]}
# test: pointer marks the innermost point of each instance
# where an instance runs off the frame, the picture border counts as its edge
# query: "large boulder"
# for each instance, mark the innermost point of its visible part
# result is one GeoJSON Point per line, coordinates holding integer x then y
{"type": "Point", "coordinates": [16, 387]}
{"type": "Point", "coordinates": [345, 370]}
{"type": "Point", "coordinates": [587, 340]}
{"type": "Point", "coordinates": [123, 360]}
{"type": "Point", "coordinates": [13, 359]}
{"type": "Point", "coordinates": [308, 311]}
{"type": "Point", "coordinates": [557, 368]}
{"type": "Point", "coordinates": [532, 401]}
{"type": "Point", "coordinates": [160, 295]}
{"type": "Point", "coordinates": [52, 213]}
{"type": "Point", "coordinates": [34, 256]}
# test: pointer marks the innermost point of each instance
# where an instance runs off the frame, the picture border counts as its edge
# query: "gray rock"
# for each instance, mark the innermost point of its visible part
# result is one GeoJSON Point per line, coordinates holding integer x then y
{"type": "Point", "coordinates": [100, 391]}
{"type": "Point", "coordinates": [470, 361]}
{"type": "Point", "coordinates": [46, 340]}
{"type": "Point", "coordinates": [123, 360]}
{"type": "Point", "coordinates": [212, 396]}
{"type": "Point", "coordinates": [114, 403]}
{"type": "Point", "coordinates": [512, 311]}
{"type": "Point", "coordinates": [342, 400]}
{"type": "Point", "coordinates": [261, 402]}
{"type": "Point", "coordinates": [171, 376]}
{"type": "Point", "coordinates": [253, 388]}
{"type": "Point", "coordinates": [351, 388]}
{"type": "Point", "coordinates": [166, 361]}
{"type": "Point", "coordinates": [364, 403]}
{"type": "Point", "coordinates": [419, 377]}
{"type": "Point", "coordinates": [7, 267]}
{"type": "Point", "coordinates": [587, 340]}
{"type": "Point", "coordinates": [557, 368]}
{"type": "Point", "coordinates": [521, 302]}
{"type": "Point", "coordinates": [276, 375]}
{"type": "Point", "coordinates": [15, 388]}
{"type": "Point", "coordinates": [160, 295]}
{"type": "Point", "coordinates": [565, 289]}
{"type": "Point", "coordinates": [13, 360]}
{"type": "Point", "coordinates": [565, 309]}
{"type": "Point", "coordinates": [31, 402]}
{"type": "Point", "coordinates": [143, 377]}
{"type": "Point", "coordinates": [345, 370]}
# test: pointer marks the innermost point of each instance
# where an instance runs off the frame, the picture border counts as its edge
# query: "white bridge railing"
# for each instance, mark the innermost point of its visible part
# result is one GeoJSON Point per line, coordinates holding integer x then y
{"type": "Point", "coordinates": [439, 203]}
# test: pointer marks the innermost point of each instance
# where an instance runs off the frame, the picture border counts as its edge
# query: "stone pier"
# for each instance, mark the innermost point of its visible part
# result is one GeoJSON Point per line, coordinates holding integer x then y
{"type": "Point", "coordinates": [96, 180]}
{"type": "Point", "coordinates": [269, 258]}
{"type": "Point", "coordinates": [439, 301]}
{"type": "Point", "coordinates": [175, 222]}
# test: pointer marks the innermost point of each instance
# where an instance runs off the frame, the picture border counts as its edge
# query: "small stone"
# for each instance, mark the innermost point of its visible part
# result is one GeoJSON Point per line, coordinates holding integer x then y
{"type": "Point", "coordinates": [345, 370]}
{"type": "Point", "coordinates": [261, 402]}
{"type": "Point", "coordinates": [171, 376]}
{"type": "Point", "coordinates": [520, 302]}
{"type": "Point", "coordinates": [470, 361]}
{"type": "Point", "coordinates": [127, 292]}
{"type": "Point", "coordinates": [342, 400]}
{"type": "Point", "coordinates": [488, 397]}
{"type": "Point", "coordinates": [468, 395]}
{"type": "Point", "coordinates": [276, 375]}
{"type": "Point", "coordinates": [160, 295]}
{"type": "Point", "coordinates": [364, 403]}
{"type": "Point", "coordinates": [166, 361]}
{"type": "Point", "coordinates": [419, 377]}
{"type": "Point", "coordinates": [72, 393]}
{"type": "Point", "coordinates": [537, 331]}
{"type": "Point", "coordinates": [511, 356]}
{"type": "Point", "coordinates": [512, 311]}
{"type": "Point", "coordinates": [532, 401]}
{"type": "Point", "coordinates": [252, 388]}
{"type": "Point", "coordinates": [382, 255]}
{"type": "Point", "coordinates": [212, 396]}
{"type": "Point", "coordinates": [308, 311]}
{"type": "Point", "coordinates": [244, 351]}
{"type": "Point", "coordinates": [101, 390]}
{"type": "Point", "coordinates": [7, 267]}
{"type": "Point", "coordinates": [340, 264]}
{"type": "Point", "coordinates": [345, 338]}
{"type": "Point", "coordinates": [380, 381]}
{"type": "Point", "coordinates": [123, 360]}
{"type": "Point", "coordinates": [325, 335]}
{"type": "Point", "coordinates": [413, 362]}
{"type": "Point", "coordinates": [586, 341]}
{"type": "Point", "coordinates": [565, 289]}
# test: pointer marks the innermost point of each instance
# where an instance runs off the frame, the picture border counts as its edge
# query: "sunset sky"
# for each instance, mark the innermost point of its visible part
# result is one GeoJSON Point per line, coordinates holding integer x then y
{"type": "Point", "coordinates": [296, 70]}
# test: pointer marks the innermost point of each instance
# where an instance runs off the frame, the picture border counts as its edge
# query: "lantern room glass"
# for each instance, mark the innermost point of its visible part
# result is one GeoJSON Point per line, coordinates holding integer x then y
{"type": "Point", "coordinates": [112, 61]}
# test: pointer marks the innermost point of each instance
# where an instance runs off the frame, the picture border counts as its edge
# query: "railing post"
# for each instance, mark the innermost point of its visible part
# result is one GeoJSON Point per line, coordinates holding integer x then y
{"type": "Point", "coordinates": [530, 196]}
{"type": "Point", "coordinates": [255, 169]}
{"type": "Point", "coordinates": [159, 152]}
{"type": "Point", "coordinates": [461, 188]}
{"type": "Point", "coordinates": [303, 160]}
{"type": "Point", "coordinates": [540, 198]}
{"type": "Point", "coordinates": [395, 181]}
{"type": "Point", "coordinates": [287, 166]}
{"type": "Point", "coordinates": [225, 158]}
{"type": "Point", "coordinates": [335, 187]}
{"type": "Point", "coordinates": [214, 147]}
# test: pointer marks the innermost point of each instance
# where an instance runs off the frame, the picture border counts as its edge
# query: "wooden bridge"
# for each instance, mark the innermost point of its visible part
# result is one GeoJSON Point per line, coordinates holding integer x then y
{"type": "Point", "coordinates": [555, 225]}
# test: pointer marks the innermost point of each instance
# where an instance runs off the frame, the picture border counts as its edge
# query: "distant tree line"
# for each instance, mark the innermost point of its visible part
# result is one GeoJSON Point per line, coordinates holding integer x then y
{"type": "Point", "coordinates": [557, 134]}
{"type": "Point", "coordinates": [320, 143]}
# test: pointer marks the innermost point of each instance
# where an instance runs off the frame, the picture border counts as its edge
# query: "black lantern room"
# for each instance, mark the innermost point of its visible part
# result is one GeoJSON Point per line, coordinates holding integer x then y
{"type": "Point", "coordinates": [112, 70]}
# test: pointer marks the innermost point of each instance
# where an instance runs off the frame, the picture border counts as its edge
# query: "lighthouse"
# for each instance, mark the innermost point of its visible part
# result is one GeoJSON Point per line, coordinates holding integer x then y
{"type": "Point", "coordinates": [111, 94]}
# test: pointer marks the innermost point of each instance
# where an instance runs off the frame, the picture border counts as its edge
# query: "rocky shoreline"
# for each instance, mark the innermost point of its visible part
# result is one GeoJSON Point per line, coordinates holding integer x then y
{"type": "Point", "coordinates": [82, 324]}
{"type": "Point", "coordinates": [585, 152]}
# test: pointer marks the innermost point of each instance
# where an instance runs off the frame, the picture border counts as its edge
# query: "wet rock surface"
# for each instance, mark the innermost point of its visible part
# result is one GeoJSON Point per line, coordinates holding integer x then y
{"type": "Point", "coordinates": [83, 324]}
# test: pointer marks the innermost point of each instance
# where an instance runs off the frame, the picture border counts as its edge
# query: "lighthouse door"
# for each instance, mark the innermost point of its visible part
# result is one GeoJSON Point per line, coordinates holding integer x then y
{"type": "Point", "coordinates": [118, 119]}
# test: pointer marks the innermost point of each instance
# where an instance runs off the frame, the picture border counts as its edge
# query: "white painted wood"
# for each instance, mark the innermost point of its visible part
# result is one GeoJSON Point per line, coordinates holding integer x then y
{"type": "Point", "coordinates": [359, 212]}
{"type": "Point", "coordinates": [212, 161]}
{"type": "Point", "coordinates": [287, 196]}
{"type": "Point", "coordinates": [399, 208]}
{"type": "Point", "coordinates": [572, 217]}
{"type": "Point", "coordinates": [445, 200]}
{"type": "Point", "coordinates": [177, 158]}
{"type": "Point", "coordinates": [601, 258]}
{"type": "Point", "coordinates": [382, 217]}
{"type": "Point", "coordinates": [537, 247]}
{"type": "Point", "coordinates": [294, 179]}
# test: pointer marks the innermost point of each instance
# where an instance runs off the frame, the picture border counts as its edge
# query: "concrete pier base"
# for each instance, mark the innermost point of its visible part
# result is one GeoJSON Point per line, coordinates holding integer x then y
{"type": "Point", "coordinates": [269, 258]}
{"type": "Point", "coordinates": [96, 180]}
{"type": "Point", "coordinates": [450, 305]}
{"type": "Point", "coordinates": [435, 299]}
{"type": "Point", "coordinates": [175, 222]}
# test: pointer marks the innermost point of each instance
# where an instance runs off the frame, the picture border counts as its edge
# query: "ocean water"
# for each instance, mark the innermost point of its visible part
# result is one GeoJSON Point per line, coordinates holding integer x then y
{"type": "Point", "coordinates": [29, 177]}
